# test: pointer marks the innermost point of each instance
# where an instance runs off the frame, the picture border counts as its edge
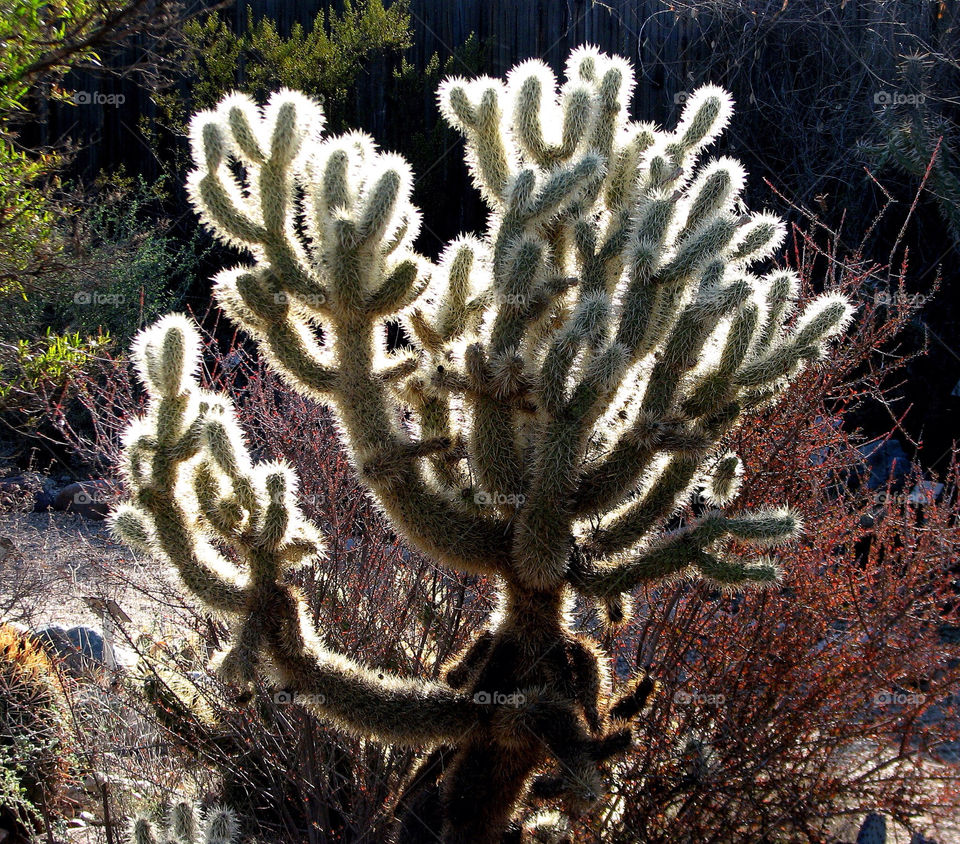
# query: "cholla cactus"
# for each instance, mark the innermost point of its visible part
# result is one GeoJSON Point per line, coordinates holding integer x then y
{"type": "Point", "coordinates": [572, 375]}
{"type": "Point", "coordinates": [183, 826]}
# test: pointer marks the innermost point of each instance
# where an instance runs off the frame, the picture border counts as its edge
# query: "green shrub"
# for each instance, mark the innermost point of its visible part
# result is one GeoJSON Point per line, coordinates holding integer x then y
{"type": "Point", "coordinates": [116, 268]}
{"type": "Point", "coordinates": [30, 369]}
{"type": "Point", "coordinates": [324, 61]}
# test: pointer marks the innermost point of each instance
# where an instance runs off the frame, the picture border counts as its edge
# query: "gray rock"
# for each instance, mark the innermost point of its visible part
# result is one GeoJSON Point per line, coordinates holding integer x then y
{"type": "Point", "coordinates": [873, 830]}
{"type": "Point", "coordinates": [80, 649]}
{"type": "Point", "coordinates": [88, 642]}
{"type": "Point", "coordinates": [91, 499]}
{"type": "Point", "coordinates": [885, 461]}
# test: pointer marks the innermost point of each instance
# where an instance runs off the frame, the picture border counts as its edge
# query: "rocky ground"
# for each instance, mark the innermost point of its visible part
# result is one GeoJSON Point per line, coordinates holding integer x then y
{"type": "Point", "coordinates": [72, 558]}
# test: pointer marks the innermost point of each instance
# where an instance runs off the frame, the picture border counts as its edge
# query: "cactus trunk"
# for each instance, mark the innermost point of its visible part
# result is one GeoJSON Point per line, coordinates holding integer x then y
{"type": "Point", "coordinates": [487, 777]}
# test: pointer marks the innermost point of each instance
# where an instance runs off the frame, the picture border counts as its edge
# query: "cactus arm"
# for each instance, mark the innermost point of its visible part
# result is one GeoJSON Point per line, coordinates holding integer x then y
{"type": "Point", "coordinates": [251, 508]}
{"type": "Point", "coordinates": [359, 700]}
{"type": "Point", "coordinates": [156, 521]}
{"type": "Point", "coordinates": [687, 547]}
{"type": "Point", "coordinates": [200, 567]}
{"type": "Point", "coordinates": [431, 520]}
{"type": "Point", "coordinates": [664, 496]}
{"type": "Point", "coordinates": [474, 108]}
{"type": "Point", "coordinates": [259, 220]}
{"type": "Point", "coordinates": [467, 663]}
{"type": "Point", "coordinates": [744, 364]}
{"type": "Point", "coordinates": [359, 226]}
{"type": "Point", "coordinates": [610, 479]}
{"type": "Point", "coordinates": [433, 413]}
{"type": "Point", "coordinates": [591, 684]}
{"type": "Point", "coordinates": [371, 704]}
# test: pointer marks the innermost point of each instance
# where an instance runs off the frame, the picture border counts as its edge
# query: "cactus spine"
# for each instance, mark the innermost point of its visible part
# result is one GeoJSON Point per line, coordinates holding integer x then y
{"type": "Point", "coordinates": [573, 373]}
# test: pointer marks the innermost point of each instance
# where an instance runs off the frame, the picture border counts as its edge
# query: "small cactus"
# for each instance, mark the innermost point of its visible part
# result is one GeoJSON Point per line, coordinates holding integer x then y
{"type": "Point", "coordinates": [572, 377]}
{"type": "Point", "coordinates": [185, 825]}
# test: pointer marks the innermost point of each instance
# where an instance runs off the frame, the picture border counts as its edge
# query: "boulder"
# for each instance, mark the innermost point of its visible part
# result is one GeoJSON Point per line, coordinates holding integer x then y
{"type": "Point", "coordinates": [90, 499]}
{"type": "Point", "coordinates": [88, 642]}
{"type": "Point", "coordinates": [79, 649]}
{"type": "Point", "coordinates": [873, 830]}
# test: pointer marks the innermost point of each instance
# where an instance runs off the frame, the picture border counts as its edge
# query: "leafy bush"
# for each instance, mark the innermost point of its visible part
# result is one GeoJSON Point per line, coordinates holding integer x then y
{"type": "Point", "coordinates": [32, 369]}
{"type": "Point", "coordinates": [41, 41]}
{"type": "Point", "coordinates": [27, 218]}
{"type": "Point", "coordinates": [327, 61]}
{"type": "Point", "coordinates": [918, 134]}
{"type": "Point", "coordinates": [348, 60]}
{"type": "Point", "coordinates": [116, 268]}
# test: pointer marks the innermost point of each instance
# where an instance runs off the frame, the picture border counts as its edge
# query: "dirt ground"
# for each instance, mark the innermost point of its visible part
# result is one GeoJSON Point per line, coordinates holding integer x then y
{"type": "Point", "coordinates": [50, 562]}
